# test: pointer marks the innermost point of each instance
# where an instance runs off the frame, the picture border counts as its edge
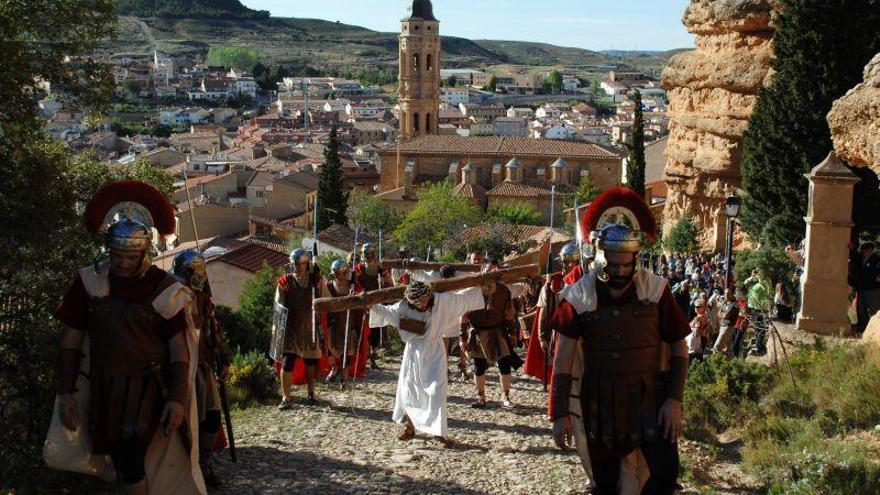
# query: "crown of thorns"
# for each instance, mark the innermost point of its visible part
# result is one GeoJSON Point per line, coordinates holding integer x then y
{"type": "Point", "coordinates": [416, 291]}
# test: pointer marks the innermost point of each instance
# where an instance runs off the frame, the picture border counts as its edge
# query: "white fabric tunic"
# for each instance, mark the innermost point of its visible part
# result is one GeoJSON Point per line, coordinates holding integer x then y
{"type": "Point", "coordinates": [422, 385]}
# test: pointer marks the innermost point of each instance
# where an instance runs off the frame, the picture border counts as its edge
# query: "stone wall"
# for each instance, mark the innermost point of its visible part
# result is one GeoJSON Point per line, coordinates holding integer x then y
{"type": "Point", "coordinates": [712, 92]}
{"type": "Point", "coordinates": [855, 121]}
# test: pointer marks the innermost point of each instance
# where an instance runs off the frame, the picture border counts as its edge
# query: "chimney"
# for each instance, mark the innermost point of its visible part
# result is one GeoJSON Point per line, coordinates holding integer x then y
{"type": "Point", "coordinates": [497, 175]}
{"type": "Point", "coordinates": [453, 173]}
{"type": "Point", "coordinates": [558, 172]}
{"type": "Point", "coordinates": [514, 171]}
{"type": "Point", "coordinates": [409, 172]}
{"type": "Point", "coordinates": [469, 175]}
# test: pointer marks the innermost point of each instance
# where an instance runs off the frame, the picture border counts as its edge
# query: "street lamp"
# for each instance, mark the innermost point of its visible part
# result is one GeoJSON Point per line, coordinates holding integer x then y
{"type": "Point", "coordinates": [731, 209]}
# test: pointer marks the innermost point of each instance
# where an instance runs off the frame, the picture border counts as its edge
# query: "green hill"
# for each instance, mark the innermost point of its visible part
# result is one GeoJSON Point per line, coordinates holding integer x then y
{"type": "Point", "coordinates": [313, 42]}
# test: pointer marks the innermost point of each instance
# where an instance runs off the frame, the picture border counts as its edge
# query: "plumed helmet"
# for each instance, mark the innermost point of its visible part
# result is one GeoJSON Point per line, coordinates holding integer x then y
{"type": "Point", "coordinates": [338, 266]}
{"type": "Point", "coordinates": [297, 254]}
{"type": "Point", "coordinates": [189, 268]}
{"type": "Point", "coordinates": [126, 212]}
{"type": "Point", "coordinates": [618, 220]}
{"type": "Point", "coordinates": [368, 247]}
{"type": "Point", "coordinates": [569, 253]}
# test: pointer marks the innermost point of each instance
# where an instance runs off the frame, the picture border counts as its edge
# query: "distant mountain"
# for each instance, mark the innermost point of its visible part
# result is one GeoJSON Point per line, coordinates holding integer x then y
{"type": "Point", "coordinates": [191, 27]}
{"type": "Point", "coordinates": [224, 9]}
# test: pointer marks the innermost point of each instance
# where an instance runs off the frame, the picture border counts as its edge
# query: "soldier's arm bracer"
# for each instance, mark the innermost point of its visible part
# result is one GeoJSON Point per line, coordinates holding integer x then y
{"type": "Point", "coordinates": [678, 370]}
{"type": "Point", "coordinates": [560, 395]}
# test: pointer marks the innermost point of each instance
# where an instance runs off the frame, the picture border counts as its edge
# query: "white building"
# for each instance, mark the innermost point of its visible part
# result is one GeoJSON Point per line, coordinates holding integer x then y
{"type": "Point", "coordinates": [570, 84]}
{"type": "Point", "coordinates": [364, 110]}
{"type": "Point", "coordinates": [177, 117]}
{"type": "Point", "coordinates": [520, 113]}
{"type": "Point", "coordinates": [243, 85]}
{"type": "Point", "coordinates": [455, 96]}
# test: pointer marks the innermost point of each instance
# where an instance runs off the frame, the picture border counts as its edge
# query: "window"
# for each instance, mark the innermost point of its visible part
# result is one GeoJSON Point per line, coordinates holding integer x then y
{"type": "Point", "coordinates": [429, 63]}
{"type": "Point", "coordinates": [416, 122]}
{"type": "Point", "coordinates": [416, 62]}
{"type": "Point", "coordinates": [261, 193]}
{"type": "Point", "coordinates": [428, 121]}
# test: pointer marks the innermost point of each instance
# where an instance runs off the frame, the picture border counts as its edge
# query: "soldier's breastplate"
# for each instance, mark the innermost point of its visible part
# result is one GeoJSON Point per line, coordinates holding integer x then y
{"type": "Point", "coordinates": [125, 339]}
{"type": "Point", "coordinates": [299, 305]}
{"type": "Point", "coordinates": [492, 317]}
{"type": "Point", "coordinates": [369, 278]}
{"type": "Point", "coordinates": [622, 351]}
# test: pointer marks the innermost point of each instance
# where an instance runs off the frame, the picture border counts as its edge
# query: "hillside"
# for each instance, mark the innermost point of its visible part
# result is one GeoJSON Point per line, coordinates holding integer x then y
{"type": "Point", "coordinates": [323, 44]}
{"type": "Point", "coordinates": [228, 9]}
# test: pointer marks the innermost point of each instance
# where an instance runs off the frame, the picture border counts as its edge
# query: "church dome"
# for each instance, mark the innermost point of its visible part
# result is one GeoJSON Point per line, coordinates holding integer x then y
{"type": "Point", "coordinates": [423, 10]}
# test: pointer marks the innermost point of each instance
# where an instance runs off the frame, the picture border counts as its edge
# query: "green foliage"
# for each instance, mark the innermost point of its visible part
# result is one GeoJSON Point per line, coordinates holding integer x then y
{"type": "Point", "coordinates": [132, 87]}
{"type": "Point", "coordinates": [586, 193]}
{"type": "Point", "coordinates": [372, 215]}
{"type": "Point", "coordinates": [214, 9]}
{"type": "Point", "coordinates": [332, 200]}
{"type": "Point", "coordinates": [268, 78]}
{"type": "Point", "coordinates": [635, 168]}
{"type": "Point", "coordinates": [554, 81]}
{"type": "Point", "coordinates": [683, 237]}
{"type": "Point", "coordinates": [325, 260]}
{"type": "Point", "coordinates": [722, 393]}
{"type": "Point", "coordinates": [820, 48]}
{"type": "Point", "coordinates": [251, 380]}
{"type": "Point", "coordinates": [438, 217]}
{"type": "Point", "coordinates": [770, 261]}
{"type": "Point", "coordinates": [239, 335]}
{"type": "Point", "coordinates": [492, 85]}
{"type": "Point", "coordinates": [255, 303]}
{"type": "Point", "coordinates": [516, 213]}
{"type": "Point", "coordinates": [233, 57]}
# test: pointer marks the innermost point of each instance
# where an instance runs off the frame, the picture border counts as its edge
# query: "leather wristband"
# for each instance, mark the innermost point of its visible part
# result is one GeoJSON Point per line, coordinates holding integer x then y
{"type": "Point", "coordinates": [178, 386]}
{"type": "Point", "coordinates": [68, 370]}
{"type": "Point", "coordinates": [560, 396]}
{"type": "Point", "coordinates": [678, 370]}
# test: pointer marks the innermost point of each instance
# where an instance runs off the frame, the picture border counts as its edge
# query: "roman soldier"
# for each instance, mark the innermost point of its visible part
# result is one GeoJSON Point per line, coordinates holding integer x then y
{"type": "Point", "coordinates": [213, 358]}
{"type": "Point", "coordinates": [346, 326]}
{"type": "Point", "coordinates": [297, 334]}
{"type": "Point", "coordinates": [541, 336]}
{"type": "Point", "coordinates": [129, 352]}
{"type": "Point", "coordinates": [486, 338]}
{"type": "Point", "coordinates": [371, 276]}
{"type": "Point", "coordinates": [621, 359]}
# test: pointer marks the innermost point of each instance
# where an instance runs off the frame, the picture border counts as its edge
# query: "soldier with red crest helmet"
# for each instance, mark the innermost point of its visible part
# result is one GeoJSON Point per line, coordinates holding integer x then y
{"type": "Point", "coordinates": [621, 360]}
{"type": "Point", "coordinates": [134, 383]}
{"type": "Point", "coordinates": [370, 275]}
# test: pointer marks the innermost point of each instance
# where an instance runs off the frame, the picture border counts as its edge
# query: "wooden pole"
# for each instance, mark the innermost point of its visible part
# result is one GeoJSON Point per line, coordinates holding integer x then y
{"type": "Point", "coordinates": [424, 265]}
{"type": "Point", "coordinates": [394, 294]}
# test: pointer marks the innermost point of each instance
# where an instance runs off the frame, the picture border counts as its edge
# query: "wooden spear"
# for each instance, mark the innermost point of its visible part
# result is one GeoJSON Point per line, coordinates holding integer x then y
{"type": "Point", "coordinates": [394, 294]}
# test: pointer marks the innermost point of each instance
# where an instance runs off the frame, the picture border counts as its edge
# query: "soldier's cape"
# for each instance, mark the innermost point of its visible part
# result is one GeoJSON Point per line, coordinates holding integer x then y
{"type": "Point", "coordinates": [534, 355]}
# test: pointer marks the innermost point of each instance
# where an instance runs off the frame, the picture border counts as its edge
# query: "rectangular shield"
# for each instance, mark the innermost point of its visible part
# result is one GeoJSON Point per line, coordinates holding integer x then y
{"type": "Point", "coordinates": [279, 331]}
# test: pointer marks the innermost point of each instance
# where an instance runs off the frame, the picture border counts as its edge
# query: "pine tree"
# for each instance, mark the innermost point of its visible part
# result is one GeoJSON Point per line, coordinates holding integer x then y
{"type": "Point", "coordinates": [332, 200]}
{"type": "Point", "coordinates": [635, 169]}
{"type": "Point", "coordinates": [821, 48]}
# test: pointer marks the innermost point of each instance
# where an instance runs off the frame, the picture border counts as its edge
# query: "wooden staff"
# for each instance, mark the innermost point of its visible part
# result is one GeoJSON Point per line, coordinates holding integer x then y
{"type": "Point", "coordinates": [394, 294]}
{"type": "Point", "coordinates": [424, 265]}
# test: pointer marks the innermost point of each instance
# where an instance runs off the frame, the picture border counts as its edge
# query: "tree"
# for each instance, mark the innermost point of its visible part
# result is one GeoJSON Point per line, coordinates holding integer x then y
{"type": "Point", "coordinates": [161, 130]}
{"type": "Point", "coordinates": [332, 200]}
{"type": "Point", "coordinates": [516, 213]}
{"type": "Point", "coordinates": [820, 50]}
{"type": "Point", "coordinates": [369, 213]}
{"type": "Point", "coordinates": [586, 193]}
{"type": "Point", "coordinates": [683, 237]}
{"type": "Point", "coordinates": [492, 85]}
{"type": "Point", "coordinates": [40, 189]}
{"type": "Point", "coordinates": [554, 81]}
{"type": "Point", "coordinates": [438, 217]}
{"type": "Point", "coordinates": [132, 87]}
{"type": "Point", "coordinates": [452, 82]}
{"type": "Point", "coordinates": [598, 92]}
{"type": "Point", "coordinates": [232, 57]}
{"type": "Point", "coordinates": [635, 169]}
{"type": "Point", "coordinates": [256, 301]}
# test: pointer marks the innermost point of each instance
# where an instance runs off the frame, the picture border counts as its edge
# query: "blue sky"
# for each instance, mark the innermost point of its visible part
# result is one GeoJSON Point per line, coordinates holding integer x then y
{"type": "Point", "coordinates": [591, 24]}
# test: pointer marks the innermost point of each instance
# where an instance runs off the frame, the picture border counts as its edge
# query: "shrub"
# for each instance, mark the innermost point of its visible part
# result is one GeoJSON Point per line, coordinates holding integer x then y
{"type": "Point", "coordinates": [251, 379]}
{"type": "Point", "coordinates": [683, 237]}
{"type": "Point", "coordinates": [516, 213]}
{"type": "Point", "coordinates": [722, 393]}
{"type": "Point", "coordinates": [772, 262]}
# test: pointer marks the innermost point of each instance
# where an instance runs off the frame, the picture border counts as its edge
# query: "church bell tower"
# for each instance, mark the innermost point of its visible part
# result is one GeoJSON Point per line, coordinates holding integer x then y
{"type": "Point", "coordinates": [419, 91]}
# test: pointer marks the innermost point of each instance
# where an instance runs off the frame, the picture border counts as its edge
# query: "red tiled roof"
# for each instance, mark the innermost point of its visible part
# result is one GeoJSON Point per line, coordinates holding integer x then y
{"type": "Point", "coordinates": [252, 257]}
{"type": "Point", "coordinates": [511, 234]}
{"type": "Point", "coordinates": [529, 189]}
{"type": "Point", "coordinates": [342, 237]}
{"type": "Point", "coordinates": [466, 190]}
{"type": "Point", "coordinates": [504, 146]}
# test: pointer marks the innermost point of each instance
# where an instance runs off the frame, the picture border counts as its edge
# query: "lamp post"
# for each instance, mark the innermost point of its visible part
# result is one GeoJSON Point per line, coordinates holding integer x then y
{"type": "Point", "coordinates": [731, 209]}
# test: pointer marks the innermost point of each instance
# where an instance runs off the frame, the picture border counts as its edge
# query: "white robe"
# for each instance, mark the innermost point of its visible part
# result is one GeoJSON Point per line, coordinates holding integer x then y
{"type": "Point", "coordinates": [422, 385]}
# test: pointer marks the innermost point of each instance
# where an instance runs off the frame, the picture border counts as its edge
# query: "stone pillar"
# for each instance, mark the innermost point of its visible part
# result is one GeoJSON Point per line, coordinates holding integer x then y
{"type": "Point", "coordinates": [824, 285]}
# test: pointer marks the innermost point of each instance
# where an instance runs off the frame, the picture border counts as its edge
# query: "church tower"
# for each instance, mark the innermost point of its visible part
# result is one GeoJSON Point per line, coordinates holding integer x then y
{"type": "Point", "coordinates": [419, 92]}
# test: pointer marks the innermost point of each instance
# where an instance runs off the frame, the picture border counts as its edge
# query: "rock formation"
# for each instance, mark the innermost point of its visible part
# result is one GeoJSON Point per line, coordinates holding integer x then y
{"type": "Point", "coordinates": [712, 91]}
{"type": "Point", "coordinates": [855, 121]}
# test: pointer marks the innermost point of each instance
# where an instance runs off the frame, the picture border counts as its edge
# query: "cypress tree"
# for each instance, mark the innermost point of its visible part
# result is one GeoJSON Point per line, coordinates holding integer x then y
{"type": "Point", "coordinates": [821, 48]}
{"type": "Point", "coordinates": [635, 169]}
{"type": "Point", "coordinates": [332, 200]}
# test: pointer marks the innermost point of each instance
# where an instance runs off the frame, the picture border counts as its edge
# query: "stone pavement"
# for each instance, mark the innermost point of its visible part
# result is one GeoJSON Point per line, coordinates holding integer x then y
{"type": "Point", "coordinates": [348, 445]}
